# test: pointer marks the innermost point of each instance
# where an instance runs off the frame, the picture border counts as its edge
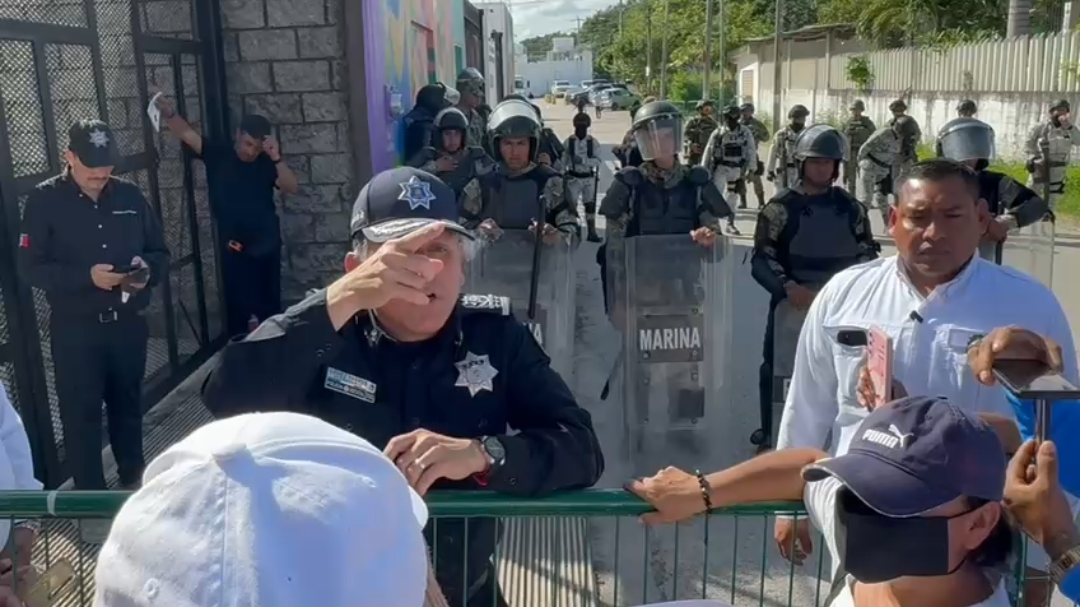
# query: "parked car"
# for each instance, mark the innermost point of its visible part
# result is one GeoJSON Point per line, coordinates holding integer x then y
{"type": "Point", "coordinates": [596, 90]}
{"type": "Point", "coordinates": [559, 88]}
{"type": "Point", "coordinates": [619, 99]}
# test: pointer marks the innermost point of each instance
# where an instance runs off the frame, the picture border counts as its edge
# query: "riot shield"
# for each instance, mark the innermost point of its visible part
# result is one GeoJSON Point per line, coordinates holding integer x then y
{"type": "Point", "coordinates": [504, 266]}
{"type": "Point", "coordinates": [673, 301]}
{"type": "Point", "coordinates": [787, 324]}
{"type": "Point", "coordinates": [1031, 250]}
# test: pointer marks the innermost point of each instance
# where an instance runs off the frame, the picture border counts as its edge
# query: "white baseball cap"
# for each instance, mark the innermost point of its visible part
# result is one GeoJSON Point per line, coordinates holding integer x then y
{"type": "Point", "coordinates": [267, 510]}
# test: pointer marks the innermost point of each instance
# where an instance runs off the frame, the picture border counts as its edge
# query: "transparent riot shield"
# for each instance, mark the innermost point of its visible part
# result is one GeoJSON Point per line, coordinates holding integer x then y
{"type": "Point", "coordinates": [1031, 250]}
{"type": "Point", "coordinates": [787, 324]}
{"type": "Point", "coordinates": [505, 267]}
{"type": "Point", "coordinates": [673, 302]}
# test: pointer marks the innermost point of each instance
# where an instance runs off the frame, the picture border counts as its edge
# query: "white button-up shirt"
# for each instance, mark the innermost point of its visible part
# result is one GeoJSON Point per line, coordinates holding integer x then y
{"type": "Point", "coordinates": [930, 339]}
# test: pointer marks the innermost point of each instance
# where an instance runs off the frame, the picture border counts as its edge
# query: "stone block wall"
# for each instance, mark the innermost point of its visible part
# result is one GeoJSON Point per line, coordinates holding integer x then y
{"type": "Point", "coordinates": [285, 60]}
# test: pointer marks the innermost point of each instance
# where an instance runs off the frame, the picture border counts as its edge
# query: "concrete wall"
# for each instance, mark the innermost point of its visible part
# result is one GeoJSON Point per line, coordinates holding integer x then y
{"type": "Point", "coordinates": [407, 43]}
{"type": "Point", "coordinates": [284, 60]}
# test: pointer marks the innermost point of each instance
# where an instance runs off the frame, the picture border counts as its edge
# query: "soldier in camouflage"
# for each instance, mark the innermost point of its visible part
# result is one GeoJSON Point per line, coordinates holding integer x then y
{"type": "Point", "coordinates": [857, 129]}
{"type": "Point", "coordinates": [698, 130]}
{"type": "Point", "coordinates": [966, 109]}
{"type": "Point", "coordinates": [879, 161]}
{"type": "Point", "coordinates": [730, 155]}
{"type": "Point", "coordinates": [470, 85]}
{"type": "Point", "coordinates": [518, 194]}
{"type": "Point", "coordinates": [448, 157]}
{"type": "Point", "coordinates": [582, 161]}
{"type": "Point", "coordinates": [761, 135]}
{"type": "Point", "coordinates": [1048, 149]}
{"type": "Point", "coordinates": [781, 156]}
{"type": "Point", "coordinates": [909, 148]}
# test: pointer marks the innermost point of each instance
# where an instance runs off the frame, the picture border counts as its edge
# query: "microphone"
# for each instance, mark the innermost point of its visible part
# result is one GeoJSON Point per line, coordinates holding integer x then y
{"type": "Point", "coordinates": [915, 316]}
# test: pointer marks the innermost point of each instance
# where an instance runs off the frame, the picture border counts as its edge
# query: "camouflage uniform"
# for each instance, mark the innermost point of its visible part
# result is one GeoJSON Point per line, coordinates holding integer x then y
{"type": "Point", "coordinates": [1059, 138]}
{"type": "Point", "coordinates": [858, 130]}
{"type": "Point", "coordinates": [783, 149]}
{"type": "Point", "coordinates": [472, 200]}
{"type": "Point", "coordinates": [879, 164]}
{"type": "Point", "coordinates": [696, 133]}
{"type": "Point", "coordinates": [470, 85]}
{"type": "Point", "coordinates": [761, 135]}
{"type": "Point", "coordinates": [909, 148]}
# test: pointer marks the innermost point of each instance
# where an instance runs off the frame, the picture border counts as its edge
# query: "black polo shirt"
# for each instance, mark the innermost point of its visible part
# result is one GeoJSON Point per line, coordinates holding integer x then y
{"type": "Point", "coordinates": [65, 233]}
{"type": "Point", "coordinates": [242, 198]}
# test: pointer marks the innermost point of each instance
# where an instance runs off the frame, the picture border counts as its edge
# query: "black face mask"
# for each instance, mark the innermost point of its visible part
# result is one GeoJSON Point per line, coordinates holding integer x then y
{"type": "Point", "coordinates": [797, 126]}
{"type": "Point", "coordinates": [732, 123]}
{"type": "Point", "coordinates": [581, 132]}
{"type": "Point", "coordinates": [878, 548]}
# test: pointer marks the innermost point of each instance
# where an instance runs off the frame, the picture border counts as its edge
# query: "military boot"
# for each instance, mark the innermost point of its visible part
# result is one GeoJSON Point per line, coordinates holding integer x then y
{"type": "Point", "coordinates": [590, 223]}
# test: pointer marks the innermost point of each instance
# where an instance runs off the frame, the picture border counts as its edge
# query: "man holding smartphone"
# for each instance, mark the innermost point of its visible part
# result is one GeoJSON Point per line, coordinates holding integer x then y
{"type": "Point", "coordinates": [92, 243]}
{"type": "Point", "coordinates": [242, 176]}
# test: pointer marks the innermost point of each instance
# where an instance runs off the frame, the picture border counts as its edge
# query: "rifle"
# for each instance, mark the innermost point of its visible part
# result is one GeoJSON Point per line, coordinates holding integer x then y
{"type": "Point", "coordinates": [783, 163]}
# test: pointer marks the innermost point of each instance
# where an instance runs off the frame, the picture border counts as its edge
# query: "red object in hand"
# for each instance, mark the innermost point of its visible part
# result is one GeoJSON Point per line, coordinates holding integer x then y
{"type": "Point", "coordinates": [236, 246]}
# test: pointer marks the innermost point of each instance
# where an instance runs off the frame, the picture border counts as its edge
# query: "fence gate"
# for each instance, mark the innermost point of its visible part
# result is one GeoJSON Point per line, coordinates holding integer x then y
{"type": "Point", "coordinates": [65, 60]}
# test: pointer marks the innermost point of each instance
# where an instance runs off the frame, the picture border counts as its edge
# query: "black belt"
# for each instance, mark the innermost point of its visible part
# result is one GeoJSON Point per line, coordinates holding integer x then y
{"type": "Point", "coordinates": [791, 165]}
{"type": "Point", "coordinates": [105, 318]}
{"type": "Point", "coordinates": [881, 164]}
{"type": "Point", "coordinates": [579, 175]}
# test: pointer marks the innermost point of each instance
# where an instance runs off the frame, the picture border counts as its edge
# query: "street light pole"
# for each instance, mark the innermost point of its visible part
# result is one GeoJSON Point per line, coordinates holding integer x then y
{"type": "Point", "coordinates": [779, 27]}
{"type": "Point", "coordinates": [664, 51]}
{"type": "Point", "coordinates": [723, 48]}
{"type": "Point", "coordinates": [708, 49]}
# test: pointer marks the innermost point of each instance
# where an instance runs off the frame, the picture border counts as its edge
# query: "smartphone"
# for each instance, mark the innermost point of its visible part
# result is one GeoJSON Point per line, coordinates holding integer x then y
{"type": "Point", "coordinates": [853, 338]}
{"type": "Point", "coordinates": [1033, 380]}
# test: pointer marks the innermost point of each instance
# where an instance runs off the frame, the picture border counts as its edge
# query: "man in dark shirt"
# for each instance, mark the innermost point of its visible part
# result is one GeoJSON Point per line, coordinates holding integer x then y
{"type": "Point", "coordinates": [242, 175]}
{"type": "Point", "coordinates": [352, 354]}
{"type": "Point", "coordinates": [95, 247]}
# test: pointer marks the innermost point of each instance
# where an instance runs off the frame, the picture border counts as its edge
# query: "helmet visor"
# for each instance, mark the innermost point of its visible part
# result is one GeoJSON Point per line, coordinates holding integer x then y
{"type": "Point", "coordinates": [659, 138]}
{"type": "Point", "coordinates": [968, 144]}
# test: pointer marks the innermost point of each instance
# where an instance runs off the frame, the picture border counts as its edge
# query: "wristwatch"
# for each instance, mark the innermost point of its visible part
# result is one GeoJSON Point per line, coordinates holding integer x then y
{"type": "Point", "coordinates": [1064, 564]}
{"type": "Point", "coordinates": [494, 452]}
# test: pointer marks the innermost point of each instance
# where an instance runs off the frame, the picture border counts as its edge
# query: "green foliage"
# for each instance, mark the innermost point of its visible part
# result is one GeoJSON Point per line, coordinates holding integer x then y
{"type": "Point", "coordinates": [538, 46]}
{"type": "Point", "coordinates": [859, 72]}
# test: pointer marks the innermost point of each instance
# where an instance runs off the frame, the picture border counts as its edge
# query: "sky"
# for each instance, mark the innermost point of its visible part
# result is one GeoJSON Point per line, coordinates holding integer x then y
{"type": "Point", "coordinates": [539, 17]}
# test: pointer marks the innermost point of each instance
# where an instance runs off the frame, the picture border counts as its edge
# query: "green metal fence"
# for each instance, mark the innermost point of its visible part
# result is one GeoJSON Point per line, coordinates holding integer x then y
{"type": "Point", "coordinates": [575, 549]}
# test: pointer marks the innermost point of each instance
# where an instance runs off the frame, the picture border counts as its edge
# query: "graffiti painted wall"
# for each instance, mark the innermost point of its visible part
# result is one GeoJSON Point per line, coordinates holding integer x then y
{"type": "Point", "coordinates": [407, 43]}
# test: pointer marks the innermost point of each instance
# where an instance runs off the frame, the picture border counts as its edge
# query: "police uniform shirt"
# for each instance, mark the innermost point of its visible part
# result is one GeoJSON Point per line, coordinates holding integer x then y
{"type": "Point", "coordinates": [65, 233]}
{"type": "Point", "coordinates": [930, 341]}
{"type": "Point", "coordinates": [242, 198]}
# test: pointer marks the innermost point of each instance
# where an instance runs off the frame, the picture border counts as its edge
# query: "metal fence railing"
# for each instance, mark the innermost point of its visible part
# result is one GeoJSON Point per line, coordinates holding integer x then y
{"type": "Point", "coordinates": [574, 549]}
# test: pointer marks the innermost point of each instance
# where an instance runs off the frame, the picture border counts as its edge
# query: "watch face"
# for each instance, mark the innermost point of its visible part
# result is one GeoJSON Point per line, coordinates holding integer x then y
{"type": "Point", "coordinates": [494, 449]}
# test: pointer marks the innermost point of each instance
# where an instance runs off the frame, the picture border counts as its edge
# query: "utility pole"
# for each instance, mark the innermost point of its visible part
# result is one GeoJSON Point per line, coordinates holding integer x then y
{"type": "Point", "coordinates": [708, 49]}
{"type": "Point", "coordinates": [664, 51]}
{"type": "Point", "coordinates": [779, 25]}
{"type": "Point", "coordinates": [722, 10]}
{"type": "Point", "coordinates": [620, 18]}
{"type": "Point", "coordinates": [648, 46]}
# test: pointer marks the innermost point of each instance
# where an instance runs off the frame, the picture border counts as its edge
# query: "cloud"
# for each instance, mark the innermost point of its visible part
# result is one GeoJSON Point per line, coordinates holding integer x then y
{"type": "Point", "coordinates": [539, 17]}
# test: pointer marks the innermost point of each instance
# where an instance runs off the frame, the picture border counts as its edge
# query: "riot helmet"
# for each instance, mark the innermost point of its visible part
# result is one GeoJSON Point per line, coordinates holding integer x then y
{"type": "Point", "coordinates": [517, 96]}
{"type": "Point", "coordinates": [658, 130]}
{"type": "Point", "coordinates": [821, 141]}
{"type": "Point", "coordinates": [470, 83]}
{"type": "Point", "coordinates": [450, 119]}
{"type": "Point", "coordinates": [431, 97]}
{"type": "Point", "coordinates": [514, 119]}
{"type": "Point", "coordinates": [858, 106]}
{"type": "Point", "coordinates": [966, 108]}
{"type": "Point", "coordinates": [898, 106]}
{"type": "Point", "coordinates": [453, 96]}
{"type": "Point", "coordinates": [966, 139]}
{"type": "Point", "coordinates": [797, 117]}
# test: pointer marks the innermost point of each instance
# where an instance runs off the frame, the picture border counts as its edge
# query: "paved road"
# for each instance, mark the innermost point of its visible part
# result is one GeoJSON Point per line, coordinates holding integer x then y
{"type": "Point", "coordinates": [638, 564]}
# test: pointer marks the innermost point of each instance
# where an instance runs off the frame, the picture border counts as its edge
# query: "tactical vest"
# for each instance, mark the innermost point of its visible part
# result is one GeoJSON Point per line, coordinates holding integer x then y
{"type": "Point", "coordinates": [465, 171]}
{"type": "Point", "coordinates": [1059, 150]}
{"type": "Point", "coordinates": [514, 203]}
{"type": "Point", "coordinates": [731, 150]}
{"type": "Point", "coordinates": [574, 160]}
{"type": "Point", "coordinates": [655, 209]}
{"type": "Point", "coordinates": [820, 237]}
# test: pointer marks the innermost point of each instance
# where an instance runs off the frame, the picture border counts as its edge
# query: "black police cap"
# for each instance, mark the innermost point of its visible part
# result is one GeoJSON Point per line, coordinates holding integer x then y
{"type": "Point", "coordinates": [399, 201]}
{"type": "Point", "coordinates": [93, 143]}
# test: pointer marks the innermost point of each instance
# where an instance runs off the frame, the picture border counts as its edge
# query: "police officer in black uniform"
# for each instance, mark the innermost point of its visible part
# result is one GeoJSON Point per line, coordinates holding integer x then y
{"type": "Point", "coordinates": [448, 157]}
{"type": "Point", "coordinates": [419, 122]}
{"type": "Point", "coordinates": [350, 354]}
{"type": "Point", "coordinates": [95, 247]}
{"type": "Point", "coordinates": [804, 236]}
{"type": "Point", "coordinates": [662, 196]}
{"type": "Point", "coordinates": [1012, 204]}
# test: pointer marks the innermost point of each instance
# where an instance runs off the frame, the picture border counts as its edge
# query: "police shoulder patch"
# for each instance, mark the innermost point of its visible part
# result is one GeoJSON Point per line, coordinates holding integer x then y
{"type": "Point", "coordinates": [698, 175]}
{"type": "Point", "coordinates": [489, 304]}
{"type": "Point", "coordinates": [630, 176]}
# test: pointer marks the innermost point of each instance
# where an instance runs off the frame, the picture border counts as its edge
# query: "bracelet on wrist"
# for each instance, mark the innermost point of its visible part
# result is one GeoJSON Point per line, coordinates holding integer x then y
{"type": "Point", "coordinates": [706, 490]}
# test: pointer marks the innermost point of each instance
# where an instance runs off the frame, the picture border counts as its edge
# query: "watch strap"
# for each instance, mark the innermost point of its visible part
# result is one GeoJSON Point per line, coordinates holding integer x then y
{"type": "Point", "coordinates": [1065, 563]}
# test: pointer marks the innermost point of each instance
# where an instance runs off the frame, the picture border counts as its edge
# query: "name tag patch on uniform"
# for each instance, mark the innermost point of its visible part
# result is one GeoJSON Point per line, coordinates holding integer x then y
{"type": "Point", "coordinates": [349, 385]}
{"type": "Point", "coordinates": [125, 212]}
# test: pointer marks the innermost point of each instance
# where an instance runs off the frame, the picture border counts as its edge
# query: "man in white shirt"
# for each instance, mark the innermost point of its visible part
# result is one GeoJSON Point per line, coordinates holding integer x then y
{"type": "Point", "coordinates": [933, 299]}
